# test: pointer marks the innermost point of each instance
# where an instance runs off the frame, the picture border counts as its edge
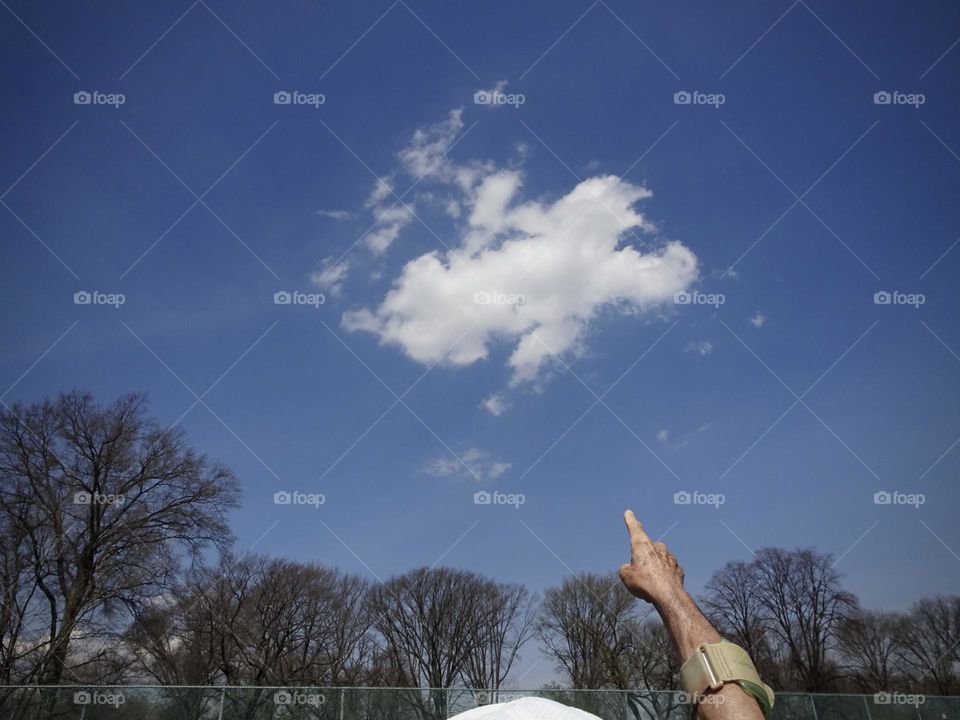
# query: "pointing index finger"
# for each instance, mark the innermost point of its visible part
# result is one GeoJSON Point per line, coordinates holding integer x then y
{"type": "Point", "coordinates": [638, 537]}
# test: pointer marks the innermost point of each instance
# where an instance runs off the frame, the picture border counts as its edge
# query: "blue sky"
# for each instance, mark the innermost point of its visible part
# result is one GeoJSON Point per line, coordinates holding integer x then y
{"type": "Point", "coordinates": [784, 188]}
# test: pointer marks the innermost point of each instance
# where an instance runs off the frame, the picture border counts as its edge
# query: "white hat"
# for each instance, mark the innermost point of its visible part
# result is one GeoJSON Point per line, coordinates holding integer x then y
{"type": "Point", "coordinates": [527, 708]}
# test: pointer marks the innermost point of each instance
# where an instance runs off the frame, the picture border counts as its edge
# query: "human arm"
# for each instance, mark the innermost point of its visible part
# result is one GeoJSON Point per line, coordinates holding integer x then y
{"type": "Point", "coordinates": [653, 574]}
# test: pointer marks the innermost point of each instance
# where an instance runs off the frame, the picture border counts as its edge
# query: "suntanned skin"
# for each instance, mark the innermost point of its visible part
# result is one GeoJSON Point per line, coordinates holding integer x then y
{"type": "Point", "coordinates": [654, 575]}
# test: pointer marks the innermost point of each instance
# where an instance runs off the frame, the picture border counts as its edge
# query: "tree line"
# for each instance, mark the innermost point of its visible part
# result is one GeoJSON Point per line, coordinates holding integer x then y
{"type": "Point", "coordinates": [107, 522]}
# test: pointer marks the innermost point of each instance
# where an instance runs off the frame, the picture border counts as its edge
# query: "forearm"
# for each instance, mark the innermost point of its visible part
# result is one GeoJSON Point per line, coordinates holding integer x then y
{"type": "Point", "coordinates": [689, 629]}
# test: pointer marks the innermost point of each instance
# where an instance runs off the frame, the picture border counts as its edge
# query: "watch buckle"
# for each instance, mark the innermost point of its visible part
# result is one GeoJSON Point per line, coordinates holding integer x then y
{"type": "Point", "coordinates": [715, 682]}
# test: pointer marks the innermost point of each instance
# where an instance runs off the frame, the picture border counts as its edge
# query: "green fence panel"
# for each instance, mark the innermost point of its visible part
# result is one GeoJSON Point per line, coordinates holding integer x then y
{"type": "Point", "coordinates": [325, 703]}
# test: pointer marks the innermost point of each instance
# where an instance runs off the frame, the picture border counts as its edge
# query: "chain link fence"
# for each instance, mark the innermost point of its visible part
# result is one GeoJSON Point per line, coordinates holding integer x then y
{"type": "Point", "coordinates": [126, 702]}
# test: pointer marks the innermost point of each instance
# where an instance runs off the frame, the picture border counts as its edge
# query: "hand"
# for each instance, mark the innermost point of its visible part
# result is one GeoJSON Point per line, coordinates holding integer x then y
{"type": "Point", "coordinates": [653, 573]}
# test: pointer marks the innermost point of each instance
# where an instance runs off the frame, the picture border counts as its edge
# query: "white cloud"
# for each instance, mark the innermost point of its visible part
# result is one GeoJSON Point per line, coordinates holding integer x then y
{"type": "Point", "coordinates": [382, 189]}
{"type": "Point", "coordinates": [426, 155]}
{"type": "Point", "coordinates": [704, 347]}
{"type": "Point", "coordinates": [565, 259]}
{"type": "Point", "coordinates": [664, 438]}
{"type": "Point", "coordinates": [331, 275]}
{"type": "Point", "coordinates": [495, 404]}
{"type": "Point", "coordinates": [390, 215]}
{"type": "Point", "coordinates": [758, 320]}
{"type": "Point", "coordinates": [475, 463]}
{"type": "Point", "coordinates": [335, 214]}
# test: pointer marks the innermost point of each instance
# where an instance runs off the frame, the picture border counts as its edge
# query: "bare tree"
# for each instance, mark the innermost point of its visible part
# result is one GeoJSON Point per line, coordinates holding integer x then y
{"type": "Point", "coordinates": [870, 650]}
{"type": "Point", "coordinates": [929, 644]}
{"type": "Point", "coordinates": [587, 626]}
{"type": "Point", "coordinates": [428, 620]}
{"type": "Point", "coordinates": [503, 628]}
{"type": "Point", "coordinates": [805, 607]}
{"type": "Point", "coordinates": [732, 602]}
{"type": "Point", "coordinates": [653, 667]}
{"type": "Point", "coordinates": [105, 502]}
{"type": "Point", "coordinates": [260, 621]}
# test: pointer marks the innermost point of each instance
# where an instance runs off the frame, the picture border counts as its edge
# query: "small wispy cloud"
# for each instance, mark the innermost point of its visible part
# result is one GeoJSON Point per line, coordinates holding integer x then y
{"type": "Point", "coordinates": [475, 463]}
{"type": "Point", "coordinates": [335, 214]}
{"type": "Point", "coordinates": [666, 438]}
{"type": "Point", "coordinates": [495, 404]}
{"type": "Point", "coordinates": [758, 320]}
{"type": "Point", "coordinates": [703, 347]}
{"type": "Point", "coordinates": [331, 275]}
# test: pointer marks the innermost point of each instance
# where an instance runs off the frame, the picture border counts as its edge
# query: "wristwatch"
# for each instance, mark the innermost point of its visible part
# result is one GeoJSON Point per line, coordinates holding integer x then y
{"type": "Point", "coordinates": [713, 665]}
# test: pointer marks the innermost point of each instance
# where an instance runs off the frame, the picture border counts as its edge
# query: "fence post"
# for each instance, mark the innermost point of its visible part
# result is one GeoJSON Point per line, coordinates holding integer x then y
{"type": "Point", "coordinates": [343, 693]}
{"type": "Point", "coordinates": [220, 711]}
{"type": "Point", "coordinates": [867, 706]}
{"type": "Point", "coordinates": [813, 705]}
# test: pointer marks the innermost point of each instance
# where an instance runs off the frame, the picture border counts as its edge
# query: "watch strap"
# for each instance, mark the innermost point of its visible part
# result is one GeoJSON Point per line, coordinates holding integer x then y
{"type": "Point", "coordinates": [714, 664]}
